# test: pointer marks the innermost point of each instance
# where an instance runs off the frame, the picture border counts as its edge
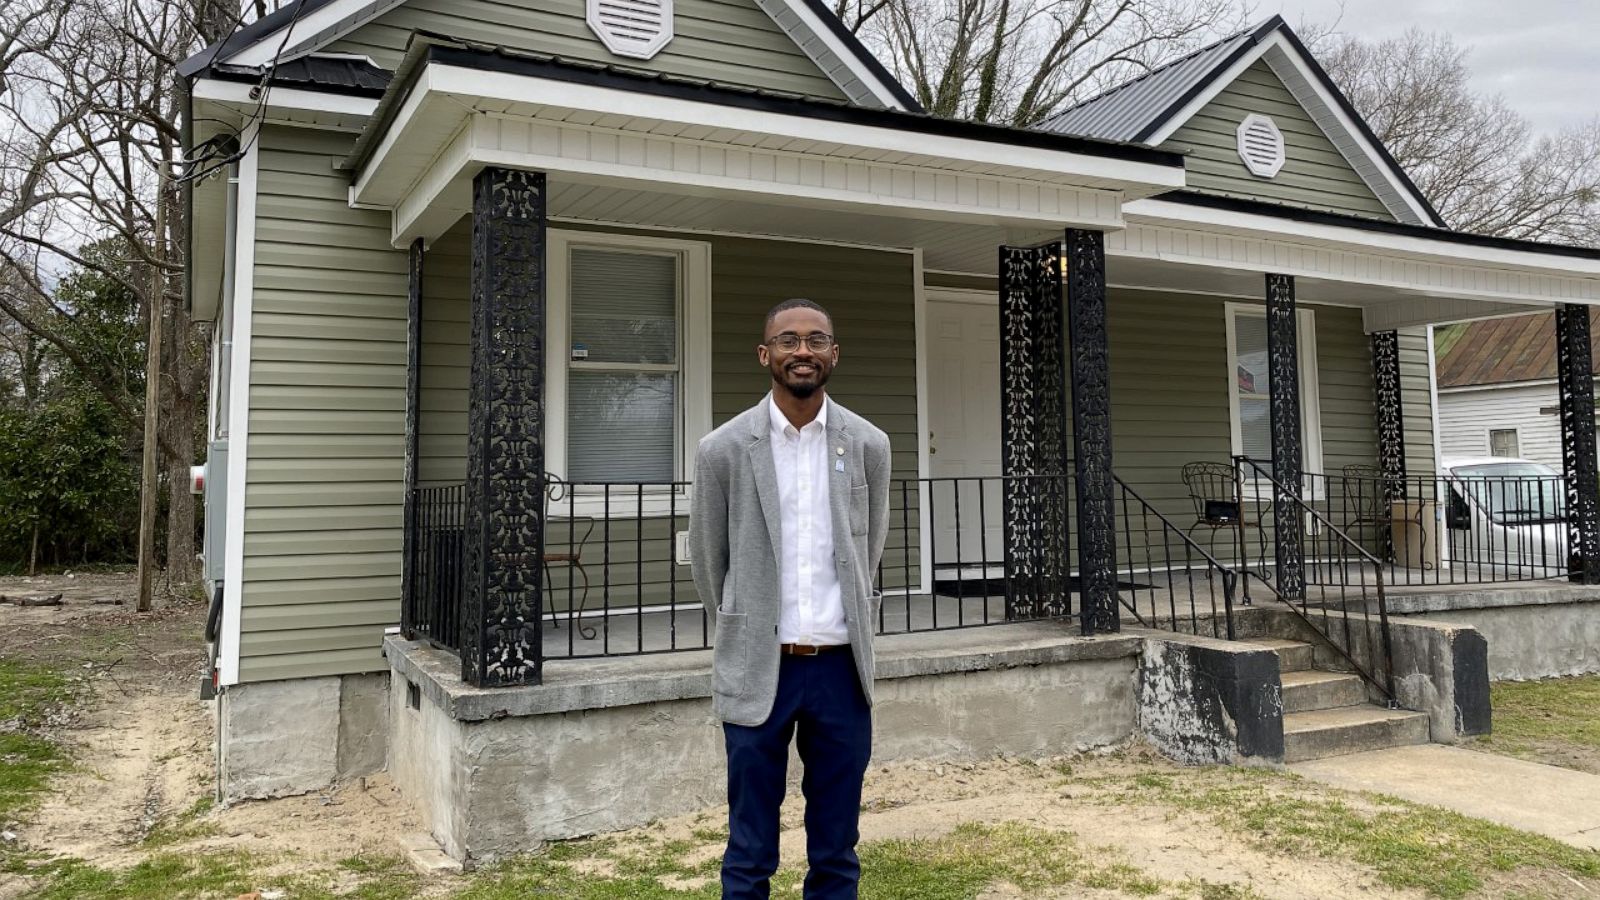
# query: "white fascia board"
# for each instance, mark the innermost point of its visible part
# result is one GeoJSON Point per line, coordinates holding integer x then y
{"type": "Point", "coordinates": [237, 95]}
{"type": "Point", "coordinates": [261, 52]}
{"type": "Point", "coordinates": [1285, 54]}
{"type": "Point", "coordinates": [1056, 166]}
{"type": "Point", "coordinates": [239, 414]}
{"type": "Point", "coordinates": [830, 40]}
{"type": "Point", "coordinates": [1498, 385]}
{"type": "Point", "coordinates": [1166, 212]}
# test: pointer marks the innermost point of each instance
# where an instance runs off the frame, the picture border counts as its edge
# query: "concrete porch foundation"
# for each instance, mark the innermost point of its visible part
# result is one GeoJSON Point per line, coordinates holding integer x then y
{"type": "Point", "coordinates": [610, 744]}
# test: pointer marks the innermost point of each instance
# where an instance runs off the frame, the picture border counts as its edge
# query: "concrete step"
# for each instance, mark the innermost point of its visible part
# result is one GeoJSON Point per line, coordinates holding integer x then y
{"type": "Point", "coordinates": [1293, 656]}
{"type": "Point", "coordinates": [1308, 690]}
{"type": "Point", "coordinates": [1349, 729]}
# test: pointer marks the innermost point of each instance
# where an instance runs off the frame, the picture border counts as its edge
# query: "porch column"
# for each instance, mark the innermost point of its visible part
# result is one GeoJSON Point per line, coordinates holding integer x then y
{"type": "Point", "coordinates": [408, 515]}
{"type": "Point", "coordinates": [1033, 433]}
{"type": "Point", "coordinates": [500, 634]}
{"type": "Point", "coordinates": [1390, 418]}
{"type": "Point", "coordinates": [1575, 381]}
{"type": "Point", "coordinates": [1283, 367]}
{"type": "Point", "coordinates": [1091, 428]}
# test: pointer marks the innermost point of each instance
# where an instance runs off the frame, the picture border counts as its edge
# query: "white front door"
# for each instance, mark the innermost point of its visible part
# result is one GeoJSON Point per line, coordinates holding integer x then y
{"type": "Point", "coordinates": [964, 428]}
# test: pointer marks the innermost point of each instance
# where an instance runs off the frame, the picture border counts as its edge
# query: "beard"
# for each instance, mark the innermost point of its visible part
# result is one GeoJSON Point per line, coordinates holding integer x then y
{"type": "Point", "coordinates": [803, 386]}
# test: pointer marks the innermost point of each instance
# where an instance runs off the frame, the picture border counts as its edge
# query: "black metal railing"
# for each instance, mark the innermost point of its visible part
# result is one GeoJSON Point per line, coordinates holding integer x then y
{"type": "Point", "coordinates": [617, 580]}
{"type": "Point", "coordinates": [1165, 579]}
{"type": "Point", "coordinates": [1455, 529]}
{"type": "Point", "coordinates": [972, 551]}
{"type": "Point", "coordinates": [1328, 578]}
{"type": "Point", "coordinates": [432, 608]}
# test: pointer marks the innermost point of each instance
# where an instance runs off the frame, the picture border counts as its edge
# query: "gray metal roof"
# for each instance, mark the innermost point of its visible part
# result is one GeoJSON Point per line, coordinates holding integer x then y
{"type": "Point", "coordinates": [1135, 110]}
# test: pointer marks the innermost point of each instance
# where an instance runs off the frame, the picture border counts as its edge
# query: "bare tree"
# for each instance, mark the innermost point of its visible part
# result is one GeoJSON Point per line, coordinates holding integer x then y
{"type": "Point", "coordinates": [89, 140]}
{"type": "Point", "coordinates": [1019, 61]}
{"type": "Point", "coordinates": [1473, 156]}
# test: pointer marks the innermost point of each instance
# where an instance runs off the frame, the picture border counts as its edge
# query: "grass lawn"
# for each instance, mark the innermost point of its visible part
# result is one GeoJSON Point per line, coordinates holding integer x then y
{"type": "Point", "coordinates": [30, 697]}
{"type": "Point", "coordinates": [1254, 828]}
{"type": "Point", "coordinates": [1556, 721]}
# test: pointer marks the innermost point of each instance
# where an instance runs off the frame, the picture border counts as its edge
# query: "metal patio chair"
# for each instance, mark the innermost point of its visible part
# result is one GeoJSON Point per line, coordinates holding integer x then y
{"type": "Point", "coordinates": [1214, 491]}
{"type": "Point", "coordinates": [568, 553]}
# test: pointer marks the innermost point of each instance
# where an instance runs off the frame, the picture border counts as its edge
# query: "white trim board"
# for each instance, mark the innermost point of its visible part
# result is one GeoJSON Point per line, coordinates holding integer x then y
{"type": "Point", "coordinates": [694, 362]}
{"type": "Point", "coordinates": [1311, 459]}
{"type": "Point", "coordinates": [229, 630]}
{"type": "Point", "coordinates": [424, 166]}
{"type": "Point", "coordinates": [281, 99]}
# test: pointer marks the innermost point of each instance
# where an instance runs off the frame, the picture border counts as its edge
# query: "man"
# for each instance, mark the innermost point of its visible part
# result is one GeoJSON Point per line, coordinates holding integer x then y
{"type": "Point", "coordinates": [790, 512]}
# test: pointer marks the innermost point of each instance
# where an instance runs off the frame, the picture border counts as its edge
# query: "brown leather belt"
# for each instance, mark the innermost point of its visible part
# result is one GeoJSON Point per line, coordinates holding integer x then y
{"type": "Point", "coordinates": [810, 649]}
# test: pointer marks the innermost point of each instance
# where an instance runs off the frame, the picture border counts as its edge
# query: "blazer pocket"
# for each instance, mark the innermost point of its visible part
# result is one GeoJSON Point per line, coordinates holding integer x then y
{"type": "Point", "coordinates": [730, 655]}
{"type": "Point", "coordinates": [858, 509]}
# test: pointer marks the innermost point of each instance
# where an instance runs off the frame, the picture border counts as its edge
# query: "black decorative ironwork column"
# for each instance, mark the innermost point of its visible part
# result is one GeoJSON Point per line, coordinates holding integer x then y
{"type": "Point", "coordinates": [501, 635]}
{"type": "Point", "coordinates": [1033, 433]}
{"type": "Point", "coordinates": [1283, 375]}
{"type": "Point", "coordinates": [1575, 381]}
{"type": "Point", "coordinates": [409, 597]}
{"type": "Point", "coordinates": [1091, 428]}
{"type": "Point", "coordinates": [1391, 425]}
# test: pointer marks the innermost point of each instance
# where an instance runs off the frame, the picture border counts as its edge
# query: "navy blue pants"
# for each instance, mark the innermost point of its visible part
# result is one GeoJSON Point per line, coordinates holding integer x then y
{"type": "Point", "coordinates": [819, 702]}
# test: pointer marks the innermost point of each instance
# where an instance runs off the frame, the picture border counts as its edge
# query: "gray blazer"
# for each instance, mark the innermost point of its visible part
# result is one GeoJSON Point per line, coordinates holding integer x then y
{"type": "Point", "coordinates": [735, 549]}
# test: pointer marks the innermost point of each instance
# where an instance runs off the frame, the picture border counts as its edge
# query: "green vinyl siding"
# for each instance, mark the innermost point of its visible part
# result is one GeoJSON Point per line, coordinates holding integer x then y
{"type": "Point", "coordinates": [1315, 174]}
{"type": "Point", "coordinates": [321, 575]}
{"type": "Point", "coordinates": [871, 296]}
{"type": "Point", "coordinates": [730, 41]}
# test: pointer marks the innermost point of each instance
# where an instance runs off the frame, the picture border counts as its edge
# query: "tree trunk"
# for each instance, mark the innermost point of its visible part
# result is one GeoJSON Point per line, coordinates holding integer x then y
{"type": "Point", "coordinates": [180, 415]}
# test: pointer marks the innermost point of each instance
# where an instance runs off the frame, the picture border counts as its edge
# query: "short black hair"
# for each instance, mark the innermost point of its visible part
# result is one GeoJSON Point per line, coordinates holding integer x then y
{"type": "Point", "coordinates": [795, 303]}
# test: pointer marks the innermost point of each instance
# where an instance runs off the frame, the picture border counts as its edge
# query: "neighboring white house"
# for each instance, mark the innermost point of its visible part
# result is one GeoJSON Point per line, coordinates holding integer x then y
{"type": "Point", "coordinates": [1497, 389]}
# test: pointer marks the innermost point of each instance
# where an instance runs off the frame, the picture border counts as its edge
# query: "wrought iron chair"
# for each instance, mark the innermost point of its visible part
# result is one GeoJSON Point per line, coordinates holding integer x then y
{"type": "Point", "coordinates": [569, 553]}
{"type": "Point", "coordinates": [1214, 491]}
{"type": "Point", "coordinates": [1363, 501]}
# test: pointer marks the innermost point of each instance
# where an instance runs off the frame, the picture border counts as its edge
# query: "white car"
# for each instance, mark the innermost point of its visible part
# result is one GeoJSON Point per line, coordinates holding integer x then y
{"type": "Point", "coordinates": [1506, 517]}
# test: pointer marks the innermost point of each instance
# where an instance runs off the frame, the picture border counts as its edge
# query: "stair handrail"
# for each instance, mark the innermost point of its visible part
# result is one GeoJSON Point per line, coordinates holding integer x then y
{"type": "Point", "coordinates": [1293, 496]}
{"type": "Point", "coordinates": [1228, 576]}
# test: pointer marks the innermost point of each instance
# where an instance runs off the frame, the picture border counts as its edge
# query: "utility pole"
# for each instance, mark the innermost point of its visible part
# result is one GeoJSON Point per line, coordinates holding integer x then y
{"type": "Point", "coordinates": [148, 482]}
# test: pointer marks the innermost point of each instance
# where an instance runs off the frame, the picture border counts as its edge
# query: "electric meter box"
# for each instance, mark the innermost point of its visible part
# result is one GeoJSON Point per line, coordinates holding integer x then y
{"type": "Point", "coordinates": [216, 494]}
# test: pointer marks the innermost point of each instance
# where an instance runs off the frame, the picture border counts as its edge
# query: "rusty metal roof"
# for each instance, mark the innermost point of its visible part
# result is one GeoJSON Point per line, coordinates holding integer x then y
{"type": "Point", "coordinates": [1502, 351]}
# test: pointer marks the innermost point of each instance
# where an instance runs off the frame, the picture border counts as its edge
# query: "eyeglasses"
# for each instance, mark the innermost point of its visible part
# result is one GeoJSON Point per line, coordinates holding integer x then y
{"type": "Point", "coordinates": [788, 342]}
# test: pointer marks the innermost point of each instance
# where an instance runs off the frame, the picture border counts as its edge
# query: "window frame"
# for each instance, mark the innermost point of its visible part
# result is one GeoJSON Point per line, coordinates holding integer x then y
{"type": "Point", "coordinates": [1516, 440]}
{"type": "Point", "coordinates": [1311, 459]}
{"type": "Point", "coordinates": [694, 364]}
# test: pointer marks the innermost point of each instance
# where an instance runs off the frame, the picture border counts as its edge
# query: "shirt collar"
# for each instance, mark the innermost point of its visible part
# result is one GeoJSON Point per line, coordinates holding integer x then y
{"type": "Point", "coordinates": [781, 424]}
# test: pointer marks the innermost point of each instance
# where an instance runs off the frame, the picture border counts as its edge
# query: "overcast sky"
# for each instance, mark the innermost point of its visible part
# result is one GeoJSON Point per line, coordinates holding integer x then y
{"type": "Point", "coordinates": [1542, 55]}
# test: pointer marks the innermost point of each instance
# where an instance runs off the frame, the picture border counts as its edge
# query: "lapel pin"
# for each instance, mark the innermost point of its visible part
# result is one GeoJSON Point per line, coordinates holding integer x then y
{"type": "Point", "coordinates": [838, 465]}
{"type": "Point", "coordinates": [838, 451]}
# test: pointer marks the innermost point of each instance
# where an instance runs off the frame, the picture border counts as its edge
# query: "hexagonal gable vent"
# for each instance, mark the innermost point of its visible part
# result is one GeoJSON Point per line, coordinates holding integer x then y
{"type": "Point", "coordinates": [1261, 145]}
{"type": "Point", "coordinates": [633, 28]}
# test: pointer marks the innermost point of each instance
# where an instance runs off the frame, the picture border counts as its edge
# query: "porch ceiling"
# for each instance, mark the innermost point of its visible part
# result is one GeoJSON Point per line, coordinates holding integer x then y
{"type": "Point", "coordinates": [666, 155]}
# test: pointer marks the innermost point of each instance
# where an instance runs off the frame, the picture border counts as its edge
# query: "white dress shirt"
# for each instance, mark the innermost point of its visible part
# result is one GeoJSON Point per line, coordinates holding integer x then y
{"type": "Point", "coordinates": [811, 609]}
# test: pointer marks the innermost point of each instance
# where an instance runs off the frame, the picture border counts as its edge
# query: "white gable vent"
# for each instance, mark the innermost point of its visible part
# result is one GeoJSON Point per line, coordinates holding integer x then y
{"type": "Point", "coordinates": [634, 28]}
{"type": "Point", "coordinates": [1261, 145]}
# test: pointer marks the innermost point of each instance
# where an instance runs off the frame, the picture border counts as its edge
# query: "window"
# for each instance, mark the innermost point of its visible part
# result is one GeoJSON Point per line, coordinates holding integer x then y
{"type": "Point", "coordinates": [1249, 386]}
{"type": "Point", "coordinates": [1503, 442]}
{"type": "Point", "coordinates": [628, 388]}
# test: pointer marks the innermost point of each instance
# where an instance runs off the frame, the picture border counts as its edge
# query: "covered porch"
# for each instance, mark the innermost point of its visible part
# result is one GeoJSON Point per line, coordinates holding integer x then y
{"type": "Point", "coordinates": [1108, 402]}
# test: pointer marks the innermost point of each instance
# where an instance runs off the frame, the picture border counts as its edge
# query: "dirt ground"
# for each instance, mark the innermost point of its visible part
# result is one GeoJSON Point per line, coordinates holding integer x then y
{"type": "Point", "coordinates": [143, 746]}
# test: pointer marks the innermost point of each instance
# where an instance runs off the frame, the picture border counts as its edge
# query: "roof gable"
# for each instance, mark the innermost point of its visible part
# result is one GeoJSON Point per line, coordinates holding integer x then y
{"type": "Point", "coordinates": [1153, 108]}
{"type": "Point", "coordinates": [1313, 173]}
{"type": "Point", "coordinates": [795, 46]}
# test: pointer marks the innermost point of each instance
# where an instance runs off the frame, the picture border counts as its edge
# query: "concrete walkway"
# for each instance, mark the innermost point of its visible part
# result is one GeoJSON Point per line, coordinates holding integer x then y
{"type": "Point", "coordinates": [1559, 803]}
